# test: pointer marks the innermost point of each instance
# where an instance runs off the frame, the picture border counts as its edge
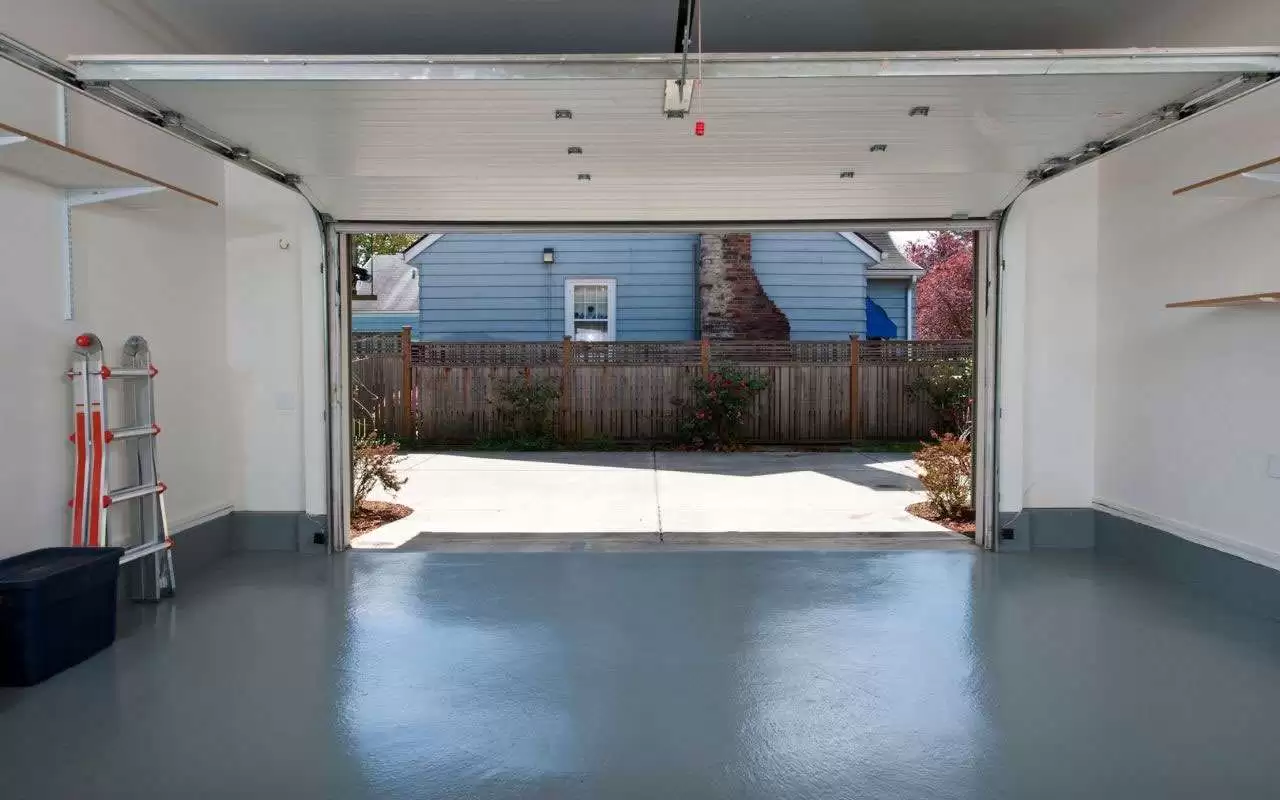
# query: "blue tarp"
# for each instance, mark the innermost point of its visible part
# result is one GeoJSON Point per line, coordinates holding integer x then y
{"type": "Point", "coordinates": [879, 326]}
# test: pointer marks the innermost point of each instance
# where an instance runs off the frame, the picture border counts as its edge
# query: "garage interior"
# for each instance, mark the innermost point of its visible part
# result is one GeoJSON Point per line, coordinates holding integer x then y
{"type": "Point", "coordinates": [1115, 637]}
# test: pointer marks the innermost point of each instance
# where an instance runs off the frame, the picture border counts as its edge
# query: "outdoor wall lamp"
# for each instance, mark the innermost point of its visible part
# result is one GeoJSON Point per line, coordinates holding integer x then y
{"type": "Point", "coordinates": [548, 255]}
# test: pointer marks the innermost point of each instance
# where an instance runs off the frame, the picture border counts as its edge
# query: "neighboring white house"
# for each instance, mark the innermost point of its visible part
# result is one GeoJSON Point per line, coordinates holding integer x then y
{"type": "Point", "coordinates": [391, 297]}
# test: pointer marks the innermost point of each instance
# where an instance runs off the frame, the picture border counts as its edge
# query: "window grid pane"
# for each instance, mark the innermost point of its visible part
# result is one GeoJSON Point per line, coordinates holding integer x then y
{"type": "Point", "coordinates": [591, 301]}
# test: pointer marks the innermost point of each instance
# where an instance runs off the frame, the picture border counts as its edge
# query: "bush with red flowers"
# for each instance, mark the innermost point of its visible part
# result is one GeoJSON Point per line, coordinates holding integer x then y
{"type": "Point", "coordinates": [720, 404]}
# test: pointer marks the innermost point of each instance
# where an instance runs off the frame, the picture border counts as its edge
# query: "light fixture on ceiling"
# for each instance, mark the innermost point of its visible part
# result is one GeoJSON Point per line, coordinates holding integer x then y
{"type": "Point", "coordinates": [918, 111]}
{"type": "Point", "coordinates": [574, 150]}
{"type": "Point", "coordinates": [564, 113]}
{"type": "Point", "coordinates": [879, 148]}
{"type": "Point", "coordinates": [548, 255]}
{"type": "Point", "coordinates": [848, 173]}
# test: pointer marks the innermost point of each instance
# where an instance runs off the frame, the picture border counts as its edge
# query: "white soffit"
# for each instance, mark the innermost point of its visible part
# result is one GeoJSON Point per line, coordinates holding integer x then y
{"type": "Point", "coordinates": [409, 138]}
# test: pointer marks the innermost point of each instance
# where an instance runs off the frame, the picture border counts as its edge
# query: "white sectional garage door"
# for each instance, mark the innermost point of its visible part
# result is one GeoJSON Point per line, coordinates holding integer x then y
{"type": "Point", "coordinates": [788, 137]}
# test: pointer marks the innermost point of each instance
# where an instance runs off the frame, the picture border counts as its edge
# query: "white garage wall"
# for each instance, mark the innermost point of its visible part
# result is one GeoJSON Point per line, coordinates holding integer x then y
{"type": "Point", "coordinates": [236, 323]}
{"type": "Point", "coordinates": [1049, 345]}
{"type": "Point", "coordinates": [1187, 399]}
{"type": "Point", "coordinates": [275, 343]}
{"type": "Point", "coordinates": [160, 274]}
{"type": "Point", "coordinates": [1164, 416]}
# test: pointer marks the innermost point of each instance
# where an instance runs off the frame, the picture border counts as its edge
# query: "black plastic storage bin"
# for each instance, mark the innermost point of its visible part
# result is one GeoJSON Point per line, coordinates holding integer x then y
{"type": "Point", "coordinates": [57, 608]}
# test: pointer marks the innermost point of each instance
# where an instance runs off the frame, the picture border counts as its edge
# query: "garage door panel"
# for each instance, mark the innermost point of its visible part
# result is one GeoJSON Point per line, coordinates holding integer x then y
{"type": "Point", "coordinates": [775, 147]}
{"type": "Point", "coordinates": [694, 197]}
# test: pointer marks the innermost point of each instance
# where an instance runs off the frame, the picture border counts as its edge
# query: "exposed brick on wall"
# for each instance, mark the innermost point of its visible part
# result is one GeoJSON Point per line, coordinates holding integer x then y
{"type": "Point", "coordinates": [734, 304]}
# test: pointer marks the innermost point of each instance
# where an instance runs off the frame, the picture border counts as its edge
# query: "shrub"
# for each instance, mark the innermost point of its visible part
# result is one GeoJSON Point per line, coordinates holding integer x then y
{"type": "Point", "coordinates": [374, 465]}
{"type": "Point", "coordinates": [946, 473]}
{"type": "Point", "coordinates": [528, 409]}
{"type": "Point", "coordinates": [719, 408]}
{"type": "Point", "coordinates": [514, 443]}
{"type": "Point", "coordinates": [947, 387]}
{"type": "Point", "coordinates": [599, 441]}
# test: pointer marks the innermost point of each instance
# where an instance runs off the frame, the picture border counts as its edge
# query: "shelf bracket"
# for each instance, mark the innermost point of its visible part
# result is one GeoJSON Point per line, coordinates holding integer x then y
{"type": "Point", "coordinates": [85, 197]}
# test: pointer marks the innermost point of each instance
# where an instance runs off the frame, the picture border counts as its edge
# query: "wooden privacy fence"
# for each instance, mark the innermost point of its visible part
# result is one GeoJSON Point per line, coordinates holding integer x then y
{"type": "Point", "coordinates": [631, 390]}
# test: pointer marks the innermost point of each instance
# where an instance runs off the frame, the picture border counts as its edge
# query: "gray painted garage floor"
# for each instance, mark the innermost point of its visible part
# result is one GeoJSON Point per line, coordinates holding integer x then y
{"type": "Point", "coordinates": [767, 675]}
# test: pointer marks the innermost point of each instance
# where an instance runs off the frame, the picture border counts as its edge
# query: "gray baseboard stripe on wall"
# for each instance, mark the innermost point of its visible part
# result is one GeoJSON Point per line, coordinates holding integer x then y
{"type": "Point", "coordinates": [286, 531]}
{"type": "Point", "coordinates": [1048, 528]}
{"type": "Point", "coordinates": [1246, 581]}
{"type": "Point", "coordinates": [202, 542]}
{"type": "Point", "coordinates": [1236, 581]}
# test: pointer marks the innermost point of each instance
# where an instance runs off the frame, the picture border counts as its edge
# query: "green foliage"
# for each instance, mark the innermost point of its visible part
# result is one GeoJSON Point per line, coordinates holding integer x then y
{"type": "Point", "coordinates": [719, 408]}
{"type": "Point", "coordinates": [373, 464]}
{"type": "Point", "coordinates": [514, 443]}
{"type": "Point", "coordinates": [947, 387]}
{"type": "Point", "coordinates": [882, 446]}
{"type": "Point", "coordinates": [527, 409]}
{"type": "Point", "coordinates": [946, 474]}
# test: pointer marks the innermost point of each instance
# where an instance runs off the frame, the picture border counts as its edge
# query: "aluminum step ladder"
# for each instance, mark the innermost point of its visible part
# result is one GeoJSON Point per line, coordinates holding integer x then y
{"type": "Point", "coordinates": [151, 574]}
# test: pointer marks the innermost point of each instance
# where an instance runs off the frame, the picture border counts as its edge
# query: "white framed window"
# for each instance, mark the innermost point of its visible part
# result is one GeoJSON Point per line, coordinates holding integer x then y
{"type": "Point", "coordinates": [591, 309]}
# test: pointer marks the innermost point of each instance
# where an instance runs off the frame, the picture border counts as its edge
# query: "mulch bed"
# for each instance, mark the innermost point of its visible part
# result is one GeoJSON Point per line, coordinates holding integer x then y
{"type": "Point", "coordinates": [925, 510]}
{"type": "Point", "coordinates": [372, 514]}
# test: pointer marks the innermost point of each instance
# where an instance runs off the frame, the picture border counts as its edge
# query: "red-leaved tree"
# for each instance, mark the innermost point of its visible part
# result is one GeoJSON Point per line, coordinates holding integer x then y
{"type": "Point", "coordinates": [944, 295]}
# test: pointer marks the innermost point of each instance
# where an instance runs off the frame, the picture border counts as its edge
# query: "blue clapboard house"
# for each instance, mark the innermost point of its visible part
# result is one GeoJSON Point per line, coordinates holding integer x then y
{"type": "Point", "coordinates": [630, 287]}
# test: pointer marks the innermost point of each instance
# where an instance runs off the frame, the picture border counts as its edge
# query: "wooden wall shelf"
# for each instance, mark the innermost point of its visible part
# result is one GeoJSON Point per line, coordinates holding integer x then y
{"type": "Point", "coordinates": [86, 178]}
{"type": "Point", "coordinates": [1262, 299]}
{"type": "Point", "coordinates": [1256, 181]}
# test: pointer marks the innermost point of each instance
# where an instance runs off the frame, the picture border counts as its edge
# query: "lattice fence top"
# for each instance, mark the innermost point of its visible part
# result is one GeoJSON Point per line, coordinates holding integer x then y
{"type": "Point", "coordinates": [759, 352]}
{"type": "Point", "coordinates": [896, 352]}
{"type": "Point", "coordinates": [673, 353]}
{"type": "Point", "coordinates": [636, 352]}
{"type": "Point", "coordinates": [374, 344]}
{"type": "Point", "coordinates": [495, 354]}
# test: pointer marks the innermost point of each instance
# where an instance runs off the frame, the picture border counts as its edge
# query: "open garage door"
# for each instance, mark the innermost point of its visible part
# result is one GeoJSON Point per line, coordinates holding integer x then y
{"type": "Point", "coordinates": [768, 142]}
{"type": "Point", "coordinates": [787, 137]}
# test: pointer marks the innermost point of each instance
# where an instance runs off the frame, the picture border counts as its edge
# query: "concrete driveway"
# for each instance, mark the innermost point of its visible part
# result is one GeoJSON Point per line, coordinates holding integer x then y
{"type": "Point", "coordinates": [560, 500]}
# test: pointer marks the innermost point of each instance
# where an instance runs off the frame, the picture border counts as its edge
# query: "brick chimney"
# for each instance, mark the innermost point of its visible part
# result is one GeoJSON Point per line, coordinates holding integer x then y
{"type": "Point", "coordinates": [733, 303]}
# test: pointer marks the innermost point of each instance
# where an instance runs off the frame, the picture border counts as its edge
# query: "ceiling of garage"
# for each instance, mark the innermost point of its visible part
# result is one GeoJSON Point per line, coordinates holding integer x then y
{"type": "Point", "coordinates": [648, 26]}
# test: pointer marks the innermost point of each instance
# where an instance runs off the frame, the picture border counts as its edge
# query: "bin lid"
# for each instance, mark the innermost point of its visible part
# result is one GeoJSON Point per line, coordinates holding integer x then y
{"type": "Point", "coordinates": [39, 565]}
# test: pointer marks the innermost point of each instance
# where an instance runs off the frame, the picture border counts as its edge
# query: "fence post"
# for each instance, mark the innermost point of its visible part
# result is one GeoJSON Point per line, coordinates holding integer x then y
{"type": "Point", "coordinates": [406, 377]}
{"type": "Point", "coordinates": [855, 400]}
{"type": "Point", "coordinates": [704, 357]}
{"type": "Point", "coordinates": [566, 385]}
